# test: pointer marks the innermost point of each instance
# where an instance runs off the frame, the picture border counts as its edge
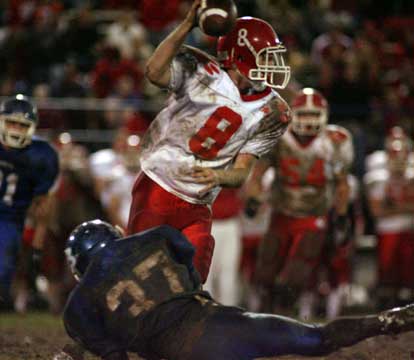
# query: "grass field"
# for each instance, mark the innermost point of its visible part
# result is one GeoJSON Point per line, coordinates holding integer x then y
{"type": "Point", "coordinates": [38, 336]}
{"type": "Point", "coordinates": [32, 336]}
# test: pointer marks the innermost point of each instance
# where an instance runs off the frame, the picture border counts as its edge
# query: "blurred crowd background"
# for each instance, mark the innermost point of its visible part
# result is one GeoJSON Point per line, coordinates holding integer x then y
{"type": "Point", "coordinates": [82, 62]}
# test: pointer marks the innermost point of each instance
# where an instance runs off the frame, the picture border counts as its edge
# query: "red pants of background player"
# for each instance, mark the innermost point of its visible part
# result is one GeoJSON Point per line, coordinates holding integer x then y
{"type": "Point", "coordinates": [152, 206]}
{"type": "Point", "coordinates": [395, 259]}
{"type": "Point", "coordinates": [299, 249]}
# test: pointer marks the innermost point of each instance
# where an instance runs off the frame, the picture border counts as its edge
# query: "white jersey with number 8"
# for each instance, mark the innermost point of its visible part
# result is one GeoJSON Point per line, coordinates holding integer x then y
{"type": "Point", "coordinates": [207, 123]}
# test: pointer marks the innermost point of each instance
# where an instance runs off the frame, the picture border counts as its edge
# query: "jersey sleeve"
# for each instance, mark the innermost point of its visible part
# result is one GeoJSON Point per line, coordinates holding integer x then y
{"type": "Point", "coordinates": [182, 67]}
{"type": "Point", "coordinates": [47, 170]}
{"type": "Point", "coordinates": [375, 184]}
{"type": "Point", "coordinates": [187, 63]}
{"type": "Point", "coordinates": [269, 129]}
{"type": "Point", "coordinates": [344, 158]}
{"type": "Point", "coordinates": [84, 325]}
{"type": "Point", "coordinates": [376, 190]}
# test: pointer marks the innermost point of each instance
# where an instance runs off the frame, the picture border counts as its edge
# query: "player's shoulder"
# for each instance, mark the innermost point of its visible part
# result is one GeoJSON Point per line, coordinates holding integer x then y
{"type": "Point", "coordinates": [102, 162]}
{"type": "Point", "coordinates": [102, 156]}
{"type": "Point", "coordinates": [409, 173]}
{"type": "Point", "coordinates": [42, 144]}
{"type": "Point", "coordinates": [337, 134]}
{"type": "Point", "coordinates": [376, 160]}
{"type": "Point", "coordinates": [272, 108]}
{"type": "Point", "coordinates": [193, 59]}
{"type": "Point", "coordinates": [42, 149]}
{"type": "Point", "coordinates": [199, 55]}
{"type": "Point", "coordinates": [376, 176]}
{"type": "Point", "coordinates": [129, 244]}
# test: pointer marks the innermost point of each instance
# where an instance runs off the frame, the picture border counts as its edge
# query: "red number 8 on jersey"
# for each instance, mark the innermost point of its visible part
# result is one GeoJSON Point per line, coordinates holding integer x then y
{"type": "Point", "coordinates": [215, 133]}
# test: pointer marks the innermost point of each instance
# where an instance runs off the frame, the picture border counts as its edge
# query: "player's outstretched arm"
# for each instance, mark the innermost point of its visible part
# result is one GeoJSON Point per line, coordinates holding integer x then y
{"type": "Point", "coordinates": [158, 66]}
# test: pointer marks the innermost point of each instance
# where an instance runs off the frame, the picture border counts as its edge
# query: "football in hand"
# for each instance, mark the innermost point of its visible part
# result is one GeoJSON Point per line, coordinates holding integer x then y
{"type": "Point", "coordinates": [216, 17]}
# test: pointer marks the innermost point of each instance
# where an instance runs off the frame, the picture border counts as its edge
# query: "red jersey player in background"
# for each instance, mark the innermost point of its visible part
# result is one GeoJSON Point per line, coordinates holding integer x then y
{"type": "Point", "coordinates": [390, 192]}
{"type": "Point", "coordinates": [311, 163]}
{"type": "Point", "coordinates": [221, 115]}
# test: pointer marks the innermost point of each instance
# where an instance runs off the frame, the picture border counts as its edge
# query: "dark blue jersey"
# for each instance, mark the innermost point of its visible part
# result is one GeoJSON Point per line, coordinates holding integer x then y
{"type": "Point", "coordinates": [140, 294]}
{"type": "Point", "coordinates": [124, 283]}
{"type": "Point", "coordinates": [24, 174]}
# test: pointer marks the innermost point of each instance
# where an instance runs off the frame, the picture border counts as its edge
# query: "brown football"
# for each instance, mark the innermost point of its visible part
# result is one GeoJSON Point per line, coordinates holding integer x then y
{"type": "Point", "coordinates": [216, 17]}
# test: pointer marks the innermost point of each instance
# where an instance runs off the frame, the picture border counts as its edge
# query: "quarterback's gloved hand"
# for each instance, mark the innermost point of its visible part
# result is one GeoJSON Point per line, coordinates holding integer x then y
{"type": "Point", "coordinates": [252, 207]}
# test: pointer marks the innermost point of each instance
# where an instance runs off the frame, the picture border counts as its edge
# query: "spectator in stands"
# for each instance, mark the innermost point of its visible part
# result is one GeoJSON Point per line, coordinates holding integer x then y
{"type": "Point", "coordinates": [49, 118]}
{"type": "Point", "coordinates": [329, 46]}
{"type": "Point", "coordinates": [129, 37]}
{"type": "Point", "coordinates": [79, 37]}
{"type": "Point", "coordinates": [159, 17]}
{"type": "Point", "coordinates": [110, 68]}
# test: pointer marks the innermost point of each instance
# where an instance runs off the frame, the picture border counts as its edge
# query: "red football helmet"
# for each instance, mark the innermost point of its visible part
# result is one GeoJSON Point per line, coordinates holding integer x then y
{"type": "Point", "coordinates": [398, 147]}
{"type": "Point", "coordinates": [309, 112]}
{"type": "Point", "coordinates": [256, 51]}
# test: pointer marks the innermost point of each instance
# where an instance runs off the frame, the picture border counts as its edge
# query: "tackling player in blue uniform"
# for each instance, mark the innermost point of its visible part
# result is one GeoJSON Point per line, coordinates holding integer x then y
{"type": "Point", "coordinates": [28, 169]}
{"type": "Point", "coordinates": [141, 294]}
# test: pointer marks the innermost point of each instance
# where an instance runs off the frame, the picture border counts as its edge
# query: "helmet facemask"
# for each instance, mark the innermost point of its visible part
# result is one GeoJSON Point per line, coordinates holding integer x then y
{"type": "Point", "coordinates": [307, 122]}
{"type": "Point", "coordinates": [271, 68]}
{"type": "Point", "coordinates": [16, 131]}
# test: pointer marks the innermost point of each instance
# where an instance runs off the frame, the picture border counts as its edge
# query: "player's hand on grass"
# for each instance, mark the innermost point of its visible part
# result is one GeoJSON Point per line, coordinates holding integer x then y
{"type": "Point", "coordinates": [205, 176]}
{"type": "Point", "coordinates": [70, 352]}
{"type": "Point", "coordinates": [61, 355]}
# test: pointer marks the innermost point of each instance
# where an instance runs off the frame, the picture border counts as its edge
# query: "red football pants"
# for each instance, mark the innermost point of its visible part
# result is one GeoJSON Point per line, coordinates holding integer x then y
{"type": "Point", "coordinates": [250, 247]}
{"type": "Point", "coordinates": [395, 259]}
{"type": "Point", "coordinates": [152, 206]}
{"type": "Point", "coordinates": [300, 243]}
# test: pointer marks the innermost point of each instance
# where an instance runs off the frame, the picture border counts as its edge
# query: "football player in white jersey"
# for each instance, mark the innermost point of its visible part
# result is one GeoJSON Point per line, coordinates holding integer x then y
{"type": "Point", "coordinates": [390, 191]}
{"type": "Point", "coordinates": [119, 191]}
{"type": "Point", "coordinates": [311, 163]}
{"type": "Point", "coordinates": [221, 115]}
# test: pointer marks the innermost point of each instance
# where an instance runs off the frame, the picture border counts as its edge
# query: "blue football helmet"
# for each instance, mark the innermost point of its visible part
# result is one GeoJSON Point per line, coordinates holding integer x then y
{"type": "Point", "coordinates": [18, 121]}
{"type": "Point", "coordinates": [86, 240]}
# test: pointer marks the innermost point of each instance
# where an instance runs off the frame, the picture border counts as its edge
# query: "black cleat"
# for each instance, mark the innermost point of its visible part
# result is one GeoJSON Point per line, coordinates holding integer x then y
{"type": "Point", "coordinates": [398, 320]}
